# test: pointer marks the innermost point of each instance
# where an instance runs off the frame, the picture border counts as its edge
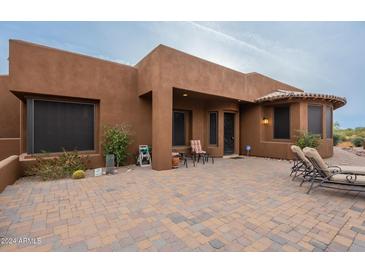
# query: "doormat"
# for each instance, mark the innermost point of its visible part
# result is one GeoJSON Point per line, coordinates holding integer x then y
{"type": "Point", "coordinates": [237, 157]}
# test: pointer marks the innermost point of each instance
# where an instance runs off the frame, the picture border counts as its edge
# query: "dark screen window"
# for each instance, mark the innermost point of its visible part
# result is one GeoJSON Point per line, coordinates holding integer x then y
{"type": "Point", "coordinates": [329, 126]}
{"type": "Point", "coordinates": [282, 122]}
{"type": "Point", "coordinates": [213, 122]}
{"type": "Point", "coordinates": [178, 129]}
{"type": "Point", "coordinates": [315, 120]}
{"type": "Point", "coordinates": [59, 126]}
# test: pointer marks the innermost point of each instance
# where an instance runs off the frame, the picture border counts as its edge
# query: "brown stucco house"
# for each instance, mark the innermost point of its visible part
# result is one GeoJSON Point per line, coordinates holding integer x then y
{"type": "Point", "coordinates": [53, 99]}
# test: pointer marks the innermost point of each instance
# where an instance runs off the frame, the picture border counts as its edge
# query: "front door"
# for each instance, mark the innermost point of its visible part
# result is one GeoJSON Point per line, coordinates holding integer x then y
{"type": "Point", "coordinates": [228, 133]}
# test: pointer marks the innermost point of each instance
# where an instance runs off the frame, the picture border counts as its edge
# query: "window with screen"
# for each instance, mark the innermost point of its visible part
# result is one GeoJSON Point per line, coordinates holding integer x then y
{"type": "Point", "coordinates": [213, 128]}
{"type": "Point", "coordinates": [315, 120]}
{"type": "Point", "coordinates": [56, 126]}
{"type": "Point", "coordinates": [329, 121]}
{"type": "Point", "coordinates": [178, 128]}
{"type": "Point", "coordinates": [282, 122]}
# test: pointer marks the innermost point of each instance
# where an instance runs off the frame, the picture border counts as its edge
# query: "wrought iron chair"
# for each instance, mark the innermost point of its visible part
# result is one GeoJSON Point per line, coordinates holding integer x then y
{"type": "Point", "coordinates": [301, 165]}
{"type": "Point", "coordinates": [334, 178]}
{"type": "Point", "coordinates": [197, 152]}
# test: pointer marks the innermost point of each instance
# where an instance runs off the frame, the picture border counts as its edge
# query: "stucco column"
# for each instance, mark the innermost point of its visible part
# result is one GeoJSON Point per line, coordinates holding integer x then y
{"type": "Point", "coordinates": [303, 116]}
{"type": "Point", "coordinates": [161, 128]}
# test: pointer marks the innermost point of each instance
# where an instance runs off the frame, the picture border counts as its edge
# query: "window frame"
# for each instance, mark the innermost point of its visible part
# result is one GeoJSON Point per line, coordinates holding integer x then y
{"type": "Point", "coordinates": [173, 127]}
{"type": "Point", "coordinates": [30, 122]}
{"type": "Point", "coordinates": [289, 121]}
{"type": "Point", "coordinates": [330, 109]}
{"type": "Point", "coordinates": [308, 122]}
{"type": "Point", "coordinates": [216, 127]}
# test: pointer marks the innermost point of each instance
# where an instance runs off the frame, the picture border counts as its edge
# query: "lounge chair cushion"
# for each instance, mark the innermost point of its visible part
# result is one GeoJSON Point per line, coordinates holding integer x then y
{"type": "Point", "coordinates": [196, 147]}
{"type": "Point", "coordinates": [360, 170]}
{"type": "Point", "coordinates": [314, 155]}
{"type": "Point", "coordinates": [346, 178]}
{"type": "Point", "coordinates": [297, 150]}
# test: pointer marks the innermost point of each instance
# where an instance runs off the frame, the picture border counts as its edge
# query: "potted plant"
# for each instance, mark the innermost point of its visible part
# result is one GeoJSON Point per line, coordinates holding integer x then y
{"type": "Point", "coordinates": [175, 160]}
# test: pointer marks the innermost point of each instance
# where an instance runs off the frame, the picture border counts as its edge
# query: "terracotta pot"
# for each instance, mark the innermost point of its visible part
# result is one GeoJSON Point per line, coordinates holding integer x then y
{"type": "Point", "coordinates": [175, 162]}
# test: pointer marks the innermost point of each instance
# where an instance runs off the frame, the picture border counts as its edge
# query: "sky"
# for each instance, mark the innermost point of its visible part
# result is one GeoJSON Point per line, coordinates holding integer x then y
{"type": "Point", "coordinates": [323, 57]}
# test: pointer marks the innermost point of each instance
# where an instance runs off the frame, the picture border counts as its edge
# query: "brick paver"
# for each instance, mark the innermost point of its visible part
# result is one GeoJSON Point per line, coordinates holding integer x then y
{"type": "Point", "coordinates": [234, 205]}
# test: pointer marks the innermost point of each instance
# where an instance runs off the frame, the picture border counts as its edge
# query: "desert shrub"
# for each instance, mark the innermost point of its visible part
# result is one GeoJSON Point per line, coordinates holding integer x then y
{"type": "Point", "coordinates": [52, 168]}
{"type": "Point", "coordinates": [71, 161]}
{"type": "Point", "coordinates": [337, 138]}
{"type": "Point", "coordinates": [306, 139]}
{"type": "Point", "coordinates": [78, 174]}
{"type": "Point", "coordinates": [116, 141]}
{"type": "Point", "coordinates": [357, 141]}
{"type": "Point", "coordinates": [46, 169]}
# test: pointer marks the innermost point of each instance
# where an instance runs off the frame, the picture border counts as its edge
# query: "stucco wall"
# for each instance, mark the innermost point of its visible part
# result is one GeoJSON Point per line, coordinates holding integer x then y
{"type": "Point", "coordinates": [173, 68]}
{"type": "Point", "coordinates": [10, 171]}
{"type": "Point", "coordinates": [9, 147]}
{"type": "Point", "coordinates": [258, 85]}
{"type": "Point", "coordinates": [260, 136]}
{"type": "Point", "coordinates": [142, 96]}
{"type": "Point", "coordinates": [9, 120]}
{"type": "Point", "coordinates": [10, 111]}
{"type": "Point", "coordinates": [45, 71]}
{"type": "Point", "coordinates": [165, 69]}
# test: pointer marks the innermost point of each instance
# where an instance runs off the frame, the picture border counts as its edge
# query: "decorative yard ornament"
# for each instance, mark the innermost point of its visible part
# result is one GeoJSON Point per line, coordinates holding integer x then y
{"type": "Point", "coordinates": [248, 149]}
{"type": "Point", "coordinates": [109, 163]}
{"type": "Point", "coordinates": [144, 157]}
{"type": "Point", "coordinates": [98, 172]}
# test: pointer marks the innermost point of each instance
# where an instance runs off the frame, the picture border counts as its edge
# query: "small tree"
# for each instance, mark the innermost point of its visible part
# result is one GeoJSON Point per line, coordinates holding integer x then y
{"type": "Point", "coordinates": [116, 141]}
{"type": "Point", "coordinates": [306, 139]}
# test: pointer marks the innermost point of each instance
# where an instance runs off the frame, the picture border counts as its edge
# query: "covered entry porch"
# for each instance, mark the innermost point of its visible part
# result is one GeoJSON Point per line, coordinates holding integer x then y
{"type": "Point", "coordinates": [193, 115]}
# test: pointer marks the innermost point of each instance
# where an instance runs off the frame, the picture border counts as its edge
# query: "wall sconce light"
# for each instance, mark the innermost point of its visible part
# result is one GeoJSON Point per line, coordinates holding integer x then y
{"type": "Point", "coordinates": [185, 94]}
{"type": "Point", "coordinates": [265, 121]}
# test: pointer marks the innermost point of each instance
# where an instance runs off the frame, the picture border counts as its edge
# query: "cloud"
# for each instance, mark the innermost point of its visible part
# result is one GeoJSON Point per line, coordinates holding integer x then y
{"type": "Point", "coordinates": [292, 65]}
{"type": "Point", "coordinates": [232, 39]}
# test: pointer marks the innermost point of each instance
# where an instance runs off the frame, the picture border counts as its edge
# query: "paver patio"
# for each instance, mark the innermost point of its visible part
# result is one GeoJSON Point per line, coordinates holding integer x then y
{"type": "Point", "coordinates": [234, 205]}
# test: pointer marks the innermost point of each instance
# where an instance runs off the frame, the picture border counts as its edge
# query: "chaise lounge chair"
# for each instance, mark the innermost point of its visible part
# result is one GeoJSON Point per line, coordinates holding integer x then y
{"type": "Point", "coordinates": [343, 179]}
{"type": "Point", "coordinates": [302, 166]}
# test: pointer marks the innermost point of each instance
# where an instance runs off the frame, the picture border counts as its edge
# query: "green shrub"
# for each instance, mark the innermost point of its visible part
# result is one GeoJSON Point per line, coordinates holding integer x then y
{"type": "Point", "coordinates": [357, 141]}
{"type": "Point", "coordinates": [337, 138]}
{"type": "Point", "coordinates": [78, 174]}
{"type": "Point", "coordinates": [116, 141]}
{"type": "Point", "coordinates": [307, 140]}
{"type": "Point", "coordinates": [52, 168]}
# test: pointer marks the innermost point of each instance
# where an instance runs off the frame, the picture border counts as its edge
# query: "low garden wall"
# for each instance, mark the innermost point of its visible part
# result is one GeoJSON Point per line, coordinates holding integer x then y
{"type": "Point", "coordinates": [93, 160]}
{"type": "Point", "coordinates": [10, 171]}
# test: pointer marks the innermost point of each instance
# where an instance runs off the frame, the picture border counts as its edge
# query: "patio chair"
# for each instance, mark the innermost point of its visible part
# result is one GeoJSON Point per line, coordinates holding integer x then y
{"type": "Point", "coordinates": [301, 166]}
{"type": "Point", "coordinates": [358, 170]}
{"type": "Point", "coordinates": [197, 152]}
{"type": "Point", "coordinates": [335, 178]}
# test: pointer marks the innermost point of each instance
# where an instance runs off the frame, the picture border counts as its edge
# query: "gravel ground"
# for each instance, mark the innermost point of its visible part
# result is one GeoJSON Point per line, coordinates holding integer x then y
{"type": "Point", "coordinates": [343, 157]}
